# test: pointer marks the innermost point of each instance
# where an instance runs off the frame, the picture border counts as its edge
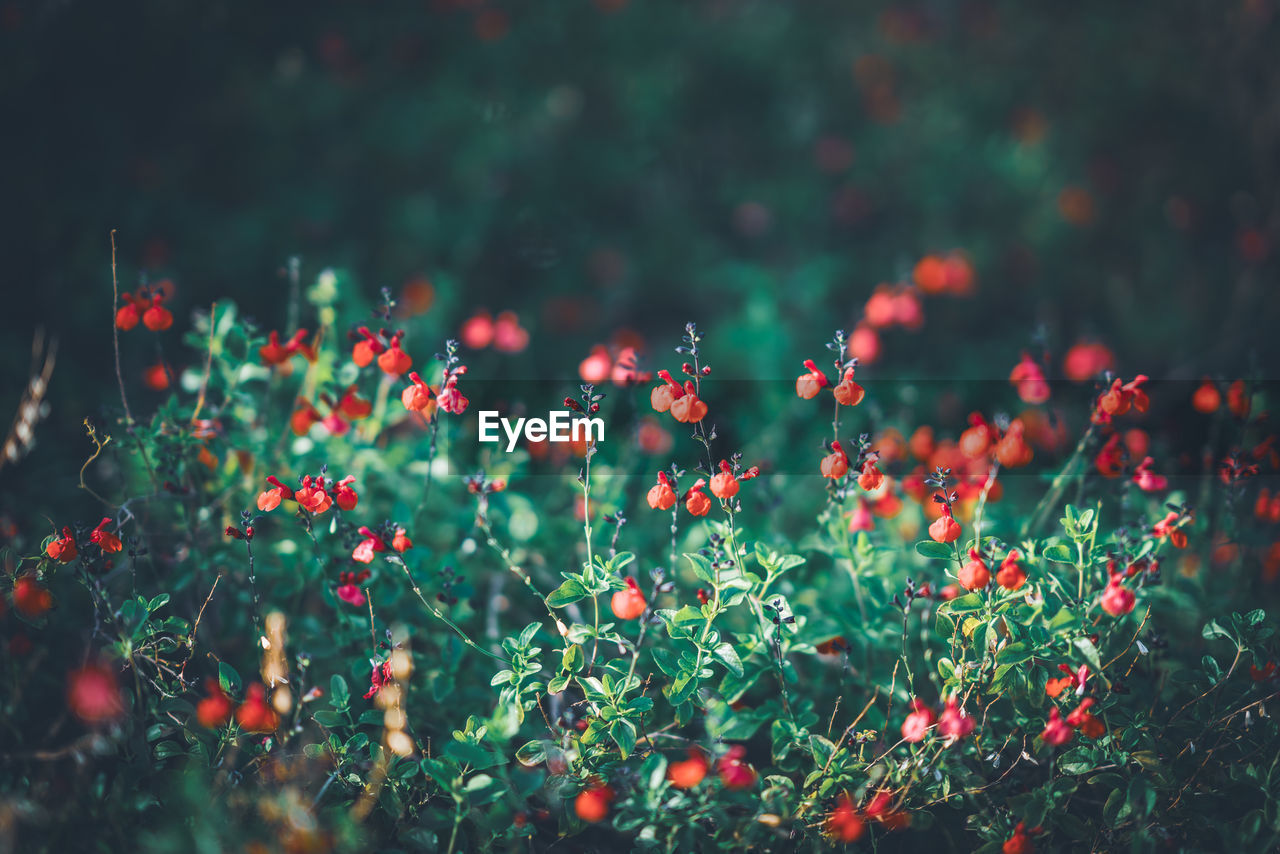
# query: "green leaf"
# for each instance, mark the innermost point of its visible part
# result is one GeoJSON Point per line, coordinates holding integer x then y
{"type": "Point", "coordinates": [569, 592]}
{"type": "Point", "coordinates": [531, 753]}
{"type": "Point", "coordinates": [623, 733]}
{"type": "Point", "coordinates": [1059, 554]}
{"type": "Point", "coordinates": [702, 568]}
{"type": "Point", "coordinates": [228, 679]}
{"type": "Point", "coordinates": [728, 656]}
{"type": "Point", "coordinates": [935, 550]}
{"type": "Point", "coordinates": [339, 694]}
{"type": "Point", "coordinates": [1089, 651]}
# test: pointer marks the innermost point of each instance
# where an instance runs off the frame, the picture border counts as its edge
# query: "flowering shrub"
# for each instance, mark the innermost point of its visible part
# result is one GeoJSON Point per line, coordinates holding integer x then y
{"type": "Point", "coordinates": [318, 615]}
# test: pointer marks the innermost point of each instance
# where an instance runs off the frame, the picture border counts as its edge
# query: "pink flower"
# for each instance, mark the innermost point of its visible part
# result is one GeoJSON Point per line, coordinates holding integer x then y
{"type": "Point", "coordinates": [1147, 480]}
{"type": "Point", "coordinates": [1056, 731]}
{"type": "Point", "coordinates": [955, 723]}
{"type": "Point", "coordinates": [349, 587]}
{"type": "Point", "coordinates": [916, 726]}
{"type": "Point", "coordinates": [368, 546]}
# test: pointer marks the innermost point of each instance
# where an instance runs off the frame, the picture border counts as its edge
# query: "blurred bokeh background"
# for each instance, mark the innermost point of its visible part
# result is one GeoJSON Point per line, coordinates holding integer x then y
{"type": "Point", "coordinates": [1108, 171]}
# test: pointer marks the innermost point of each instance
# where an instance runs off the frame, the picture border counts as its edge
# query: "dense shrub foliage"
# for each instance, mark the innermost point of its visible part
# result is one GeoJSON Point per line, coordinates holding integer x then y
{"type": "Point", "coordinates": [300, 606]}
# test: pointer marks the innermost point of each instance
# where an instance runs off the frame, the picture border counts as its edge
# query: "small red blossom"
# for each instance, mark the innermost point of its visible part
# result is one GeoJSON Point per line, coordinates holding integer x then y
{"type": "Point", "coordinates": [1028, 379]}
{"type": "Point", "coordinates": [810, 383]}
{"type": "Point", "coordinates": [724, 484]}
{"type": "Point", "coordinates": [689, 772]}
{"type": "Point", "coordinates": [255, 714]}
{"type": "Point", "coordinates": [974, 575]}
{"type": "Point", "coordinates": [835, 464]}
{"type": "Point", "coordinates": [269, 499]}
{"type": "Point", "coordinates": [628, 603]}
{"type": "Point", "coordinates": [734, 772]}
{"type": "Point", "coordinates": [30, 597]}
{"type": "Point", "coordinates": [401, 542]}
{"type": "Point", "coordinates": [344, 495]}
{"type": "Point", "coordinates": [107, 541]}
{"type": "Point", "coordinates": [916, 725]}
{"type": "Point", "coordinates": [1057, 731]}
{"type": "Point", "coordinates": [94, 695]}
{"type": "Point", "coordinates": [847, 392]}
{"type": "Point", "coordinates": [1117, 600]}
{"type": "Point", "coordinates": [1146, 479]}
{"type": "Point", "coordinates": [844, 823]}
{"type": "Point", "coordinates": [157, 318]}
{"type": "Point", "coordinates": [1011, 575]}
{"type": "Point", "coordinates": [349, 590]}
{"type": "Point", "coordinates": [395, 361]}
{"type": "Point", "coordinates": [371, 544]}
{"type": "Point", "coordinates": [661, 496]}
{"type": "Point", "coordinates": [63, 549]}
{"type": "Point", "coordinates": [945, 529]}
{"type": "Point", "coordinates": [214, 709]}
{"type": "Point", "coordinates": [381, 676]}
{"type": "Point", "coordinates": [954, 723]}
{"type": "Point", "coordinates": [695, 501]}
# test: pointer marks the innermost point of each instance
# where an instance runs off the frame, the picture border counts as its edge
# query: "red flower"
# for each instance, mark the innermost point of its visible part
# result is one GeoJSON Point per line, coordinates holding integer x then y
{"type": "Point", "coordinates": [215, 709]}
{"type": "Point", "coordinates": [1117, 600]}
{"type": "Point", "coordinates": [1075, 679]}
{"type": "Point", "coordinates": [596, 367]}
{"type": "Point", "coordinates": [1028, 378]}
{"type": "Point", "coordinates": [847, 392]}
{"type": "Point", "coordinates": [254, 714]}
{"type": "Point", "coordinates": [1169, 527]}
{"type": "Point", "coordinates": [312, 496]}
{"type": "Point", "coordinates": [107, 541]}
{"type": "Point", "coordinates": [395, 361]}
{"type": "Point", "coordinates": [976, 440]}
{"type": "Point", "coordinates": [63, 548]}
{"type": "Point", "coordinates": [688, 408]}
{"type": "Point", "coordinates": [974, 575]}
{"type": "Point", "coordinates": [477, 331]}
{"type": "Point", "coordinates": [871, 478]}
{"type": "Point", "coordinates": [1118, 399]}
{"type": "Point", "coordinates": [368, 546]}
{"type": "Point", "coordinates": [303, 417]}
{"type": "Point", "coordinates": [689, 772]}
{"type": "Point", "coordinates": [269, 499]}
{"type": "Point", "coordinates": [1019, 843]}
{"type": "Point", "coordinates": [734, 773]}
{"type": "Point", "coordinates": [508, 335]}
{"type": "Point", "coordinates": [809, 384]}
{"type": "Point", "coordinates": [663, 396]}
{"type": "Point", "coordinates": [94, 695]}
{"type": "Point", "coordinates": [1110, 459]}
{"type": "Point", "coordinates": [1238, 399]}
{"type": "Point", "coordinates": [401, 542]}
{"type": "Point", "coordinates": [30, 597]}
{"type": "Point", "coordinates": [1011, 575]}
{"type": "Point", "coordinates": [954, 723]}
{"type": "Point", "coordinates": [353, 406]}
{"type": "Point", "coordinates": [835, 464]}
{"type": "Point", "coordinates": [419, 397]}
{"type": "Point", "coordinates": [157, 318]}
{"type": "Point", "coordinates": [381, 676]}
{"type": "Point", "coordinates": [344, 495]}
{"type": "Point", "coordinates": [592, 805]}
{"type": "Point", "coordinates": [128, 315]}
{"type": "Point", "coordinates": [1207, 398]}
{"type": "Point", "coordinates": [1056, 731]}
{"type": "Point", "coordinates": [661, 496]}
{"type": "Point", "coordinates": [843, 822]}
{"type": "Point", "coordinates": [1147, 480]}
{"type": "Point", "coordinates": [916, 725]}
{"type": "Point", "coordinates": [349, 587]}
{"type": "Point", "coordinates": [945, 529]}
{"type": "Point", "coordinates": [452, 400]}
{"type": "Point", "coordinates": [1012, 450]}
{"type": "Point", "coordinates": [275, 353]}
{"type": "Point", "coordinates": [628, 603]}
{"type": "Point", "coordinates": [860, 519]}
{"type": "Point", "coordinates": [724, 484]}
{"type": "Point", "coordinates": [695, 501]}
{"type": "Point", "coordinates": [364, 351]}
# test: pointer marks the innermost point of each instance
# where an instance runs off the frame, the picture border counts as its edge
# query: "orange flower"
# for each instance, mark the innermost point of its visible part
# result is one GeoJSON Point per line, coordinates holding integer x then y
{"type": "Point", "coordinates": [1207, 398]}
{"type": "Point", "coordinates": [974, 575]}
{"type": "Point", "coordinates": [628, 603]}
{"type": "Point", "coordinates": [847, 392]}
{"type": "Point", "coordinates": [395, 361]}
{"type": "Point", "coordinates": [695, 501]}
{"type": "Point", "coordinates": [419, 397]}
{"type": "Point", "coordinates": [215, 709]}
{"type": "Point", "coordinates": [365, 350]}
{"type": "Point", "coordinates": [661, 496]}
{"type": "Point", "coordinates": [254, 715]}
{"type": "Point", "coordinates": [31, 598]}
{"type": "Point", "coordinates": [688, 409]}
{"type": "Point", "coordinates": [1012, 450]}
{"type": "Point", "coordinates": [724, 484]}
{"type": "Point", "coordinates": [689, 772]}
{"type": "Point", "coordinates": [809, 384]}
{"type": "Point", "coordinates": [1011, 575]}
{"type": "Point", "coordinates": [835, 464]}
{"type": "Point", "coordinates": [945, 529]}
